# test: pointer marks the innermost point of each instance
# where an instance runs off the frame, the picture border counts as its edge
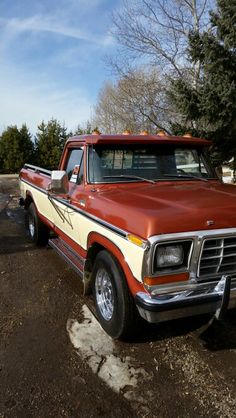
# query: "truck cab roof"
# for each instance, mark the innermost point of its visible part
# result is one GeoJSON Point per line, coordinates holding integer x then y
{"type": "Point", "coordinates": [97, 138]}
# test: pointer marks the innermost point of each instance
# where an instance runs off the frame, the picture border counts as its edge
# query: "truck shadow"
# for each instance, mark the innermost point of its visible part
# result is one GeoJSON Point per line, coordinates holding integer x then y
{"type": "Point", "coordinates": [13, 235]}
{"type": "Point", "coordinates": [214, 335]}
{"type": "Point", "coordinates": [221, 335]}
{"type": "Point", "coordinates": [13, 244]}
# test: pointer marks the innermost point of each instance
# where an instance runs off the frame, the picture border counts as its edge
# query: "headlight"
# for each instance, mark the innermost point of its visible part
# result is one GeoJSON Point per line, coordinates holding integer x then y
{"type": "Point", "coordinates": [172, 256]}
{"type": "Point", "coordinates": [169, 256]}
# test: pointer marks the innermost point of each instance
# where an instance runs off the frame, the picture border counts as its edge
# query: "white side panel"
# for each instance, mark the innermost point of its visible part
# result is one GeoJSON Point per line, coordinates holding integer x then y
{"type": "Point", "coordinates": [78, 227]}
{"type": "Point", "coordinates": [41, 200]}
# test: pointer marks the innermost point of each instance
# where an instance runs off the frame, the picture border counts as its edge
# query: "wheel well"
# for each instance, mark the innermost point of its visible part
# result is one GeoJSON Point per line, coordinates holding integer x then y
{"type": "Point", "coordinates": [88, 268]}
{"type": "Point", "coordinates": [91, 255]}
{"type": "Point", "coordinates": [28, 200]}
{"type": "Point", "coordinates": [94, 250]}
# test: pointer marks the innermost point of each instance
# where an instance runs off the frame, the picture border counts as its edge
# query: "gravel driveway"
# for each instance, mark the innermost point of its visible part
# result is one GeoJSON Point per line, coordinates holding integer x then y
{"type": "Point", "coordinates": [55, 361]}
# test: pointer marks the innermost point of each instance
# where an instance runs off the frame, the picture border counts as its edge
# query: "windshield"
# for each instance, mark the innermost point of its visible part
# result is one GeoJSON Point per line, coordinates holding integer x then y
{"type": "Point", "coordinates": [128, 163]}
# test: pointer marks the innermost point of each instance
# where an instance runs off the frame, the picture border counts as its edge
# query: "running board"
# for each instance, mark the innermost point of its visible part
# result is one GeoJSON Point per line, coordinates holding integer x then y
{"type": "Point", "coordinates": [68, 254]}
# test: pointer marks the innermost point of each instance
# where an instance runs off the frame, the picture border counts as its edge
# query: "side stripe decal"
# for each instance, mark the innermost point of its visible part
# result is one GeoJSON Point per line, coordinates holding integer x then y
{"type": "Point", "coordinates": [99, 221]}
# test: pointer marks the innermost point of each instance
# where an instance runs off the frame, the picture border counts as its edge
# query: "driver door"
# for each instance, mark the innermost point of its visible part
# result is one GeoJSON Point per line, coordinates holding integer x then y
{"type": "Point", "coordinates": [66, 218]}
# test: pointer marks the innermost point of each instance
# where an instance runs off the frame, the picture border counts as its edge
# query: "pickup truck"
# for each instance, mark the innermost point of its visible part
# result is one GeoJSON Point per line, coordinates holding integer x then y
{"type": "Point", "coordinates": [144, 220]}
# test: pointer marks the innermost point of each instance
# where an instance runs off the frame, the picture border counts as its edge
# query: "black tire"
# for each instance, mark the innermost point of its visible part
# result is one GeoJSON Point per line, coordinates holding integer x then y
{"type": "Point", "coordinates": [118, 316]}
{"type": "Point", "coordinates": [38, 232]}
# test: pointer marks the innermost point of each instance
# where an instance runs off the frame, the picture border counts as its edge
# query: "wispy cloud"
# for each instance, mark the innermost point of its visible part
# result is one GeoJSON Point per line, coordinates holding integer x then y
{"type": "Point", "coordinates": [50, 24]}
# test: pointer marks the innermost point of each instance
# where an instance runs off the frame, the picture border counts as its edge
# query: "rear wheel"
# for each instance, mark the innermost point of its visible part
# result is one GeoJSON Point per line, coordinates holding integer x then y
{"type": "Point", "coordinates": [38, 232]}
{"type": "Point", "coordinates": [114, 304]}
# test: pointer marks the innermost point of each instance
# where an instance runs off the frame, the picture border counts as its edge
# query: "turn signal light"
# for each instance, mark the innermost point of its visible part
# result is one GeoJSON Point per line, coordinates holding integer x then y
{"type": "Point", "coordinates": [136, 240]}
{"type": "Point", "coordinates": [144, 133]}
{"type": "Point", "coordinates": [161, 133]}
{"type": "Point", "coordinates": [169, 278]}
{"type": "Point", "coordinates": [187, 135]}
{"type": "Point", "coordinates": [127, 132]}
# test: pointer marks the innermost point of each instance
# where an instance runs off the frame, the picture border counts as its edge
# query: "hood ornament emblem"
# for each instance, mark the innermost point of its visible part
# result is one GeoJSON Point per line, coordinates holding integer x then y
{"type": "Point", "coordinates": [210, 222]}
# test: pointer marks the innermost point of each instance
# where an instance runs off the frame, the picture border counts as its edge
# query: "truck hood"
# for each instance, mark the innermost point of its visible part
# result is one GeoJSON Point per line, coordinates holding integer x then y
{"type": "Point", "coordinates": [166, 207]}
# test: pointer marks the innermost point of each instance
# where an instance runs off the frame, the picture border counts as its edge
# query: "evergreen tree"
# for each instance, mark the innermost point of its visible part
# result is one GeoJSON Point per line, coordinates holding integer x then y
{"type": "Point", "coordinates": [16, 148]}
{"type": "Point", "coordinates": [50, 140]}
{"type": "Point", "coordinates": [26, 145]}
{"type": "Point", "coordinates": [211, 104]}
{"type": "Point", "coordinates": [80, 130]}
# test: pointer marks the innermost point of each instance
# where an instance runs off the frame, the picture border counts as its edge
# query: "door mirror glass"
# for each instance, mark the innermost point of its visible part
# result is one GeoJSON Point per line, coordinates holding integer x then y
{"type": "Point", "coordinates": [75, 173]}
{"type": "Point", "coordinates": [73, 163]}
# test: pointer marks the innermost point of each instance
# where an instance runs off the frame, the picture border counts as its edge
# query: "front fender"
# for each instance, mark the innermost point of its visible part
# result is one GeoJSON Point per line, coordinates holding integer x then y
{"type": "Point", "coordinates": [95, 238]}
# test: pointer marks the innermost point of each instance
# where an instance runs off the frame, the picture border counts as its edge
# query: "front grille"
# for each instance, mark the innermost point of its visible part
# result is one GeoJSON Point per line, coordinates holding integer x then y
{"type": "Point", "coordinates": [218, 257]}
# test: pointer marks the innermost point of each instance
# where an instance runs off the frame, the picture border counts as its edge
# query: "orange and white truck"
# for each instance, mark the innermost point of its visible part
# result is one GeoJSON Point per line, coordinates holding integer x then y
{"type": "Point", "coordinates": [145, 222]}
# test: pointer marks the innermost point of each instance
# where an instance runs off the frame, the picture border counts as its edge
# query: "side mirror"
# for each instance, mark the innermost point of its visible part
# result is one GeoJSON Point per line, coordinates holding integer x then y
{"type": "Point", "coordinates": [59, 182]}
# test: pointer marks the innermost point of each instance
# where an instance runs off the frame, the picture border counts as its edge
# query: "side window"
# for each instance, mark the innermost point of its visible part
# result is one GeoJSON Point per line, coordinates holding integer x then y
{"type": "Point", "coordinates": [73, 164]}
{"type": "Point", "coordinates": [189, 161]}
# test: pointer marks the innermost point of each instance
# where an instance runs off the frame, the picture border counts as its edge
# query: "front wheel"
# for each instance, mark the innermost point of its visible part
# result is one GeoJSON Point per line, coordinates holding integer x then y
{"type": "Point", "coordinates": [38, 232]}
{"type": "Point", "coordinates": [114, 304]}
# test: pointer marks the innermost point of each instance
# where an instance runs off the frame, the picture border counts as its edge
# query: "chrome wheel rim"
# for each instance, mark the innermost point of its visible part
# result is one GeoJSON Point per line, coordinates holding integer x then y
{"type": "Point", "coordinates": [31, 226]}
{"type": "Point", "coordinates": [104, 294]}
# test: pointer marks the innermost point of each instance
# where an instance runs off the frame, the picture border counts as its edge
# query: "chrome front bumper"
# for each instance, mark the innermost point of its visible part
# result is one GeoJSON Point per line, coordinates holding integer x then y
{"type": "Point", "coordinates": [203, 298]}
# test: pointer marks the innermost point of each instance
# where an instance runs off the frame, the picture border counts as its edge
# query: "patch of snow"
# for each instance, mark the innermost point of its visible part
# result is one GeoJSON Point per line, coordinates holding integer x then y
{"type": "Point", "coordinates": [99, 351]}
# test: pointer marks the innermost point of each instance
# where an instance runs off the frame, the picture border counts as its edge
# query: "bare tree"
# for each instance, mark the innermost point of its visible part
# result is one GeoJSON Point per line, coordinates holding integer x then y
{"type": "Point", "coordinates": [153, 39]}
{"type": "Point", "coordinates": [157, 31]}
{"type": "Point", "coordinates": [136, 102]}
{"type": "Point", "coordinates": [104, 116]}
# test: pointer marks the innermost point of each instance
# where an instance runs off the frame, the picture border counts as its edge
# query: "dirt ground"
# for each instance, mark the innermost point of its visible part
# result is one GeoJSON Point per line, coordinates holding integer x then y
{"type": "Point", "coordinates": [182, 368]}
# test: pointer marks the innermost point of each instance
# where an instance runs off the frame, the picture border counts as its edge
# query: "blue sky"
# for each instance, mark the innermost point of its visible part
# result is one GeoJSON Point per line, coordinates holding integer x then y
{"type": "Point", "coordinates": [52, 59]}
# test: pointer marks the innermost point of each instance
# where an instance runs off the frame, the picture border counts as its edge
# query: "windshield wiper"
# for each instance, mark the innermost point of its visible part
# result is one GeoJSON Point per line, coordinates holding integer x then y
{"type": "Point", "coordinates": [130, 177]}
{"type": "Point", "coordinates": [186, 176]}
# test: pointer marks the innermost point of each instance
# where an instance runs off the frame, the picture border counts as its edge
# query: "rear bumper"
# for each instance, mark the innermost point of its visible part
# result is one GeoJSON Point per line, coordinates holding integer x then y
{"type": "Point", "coordinates": [204, 298]}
